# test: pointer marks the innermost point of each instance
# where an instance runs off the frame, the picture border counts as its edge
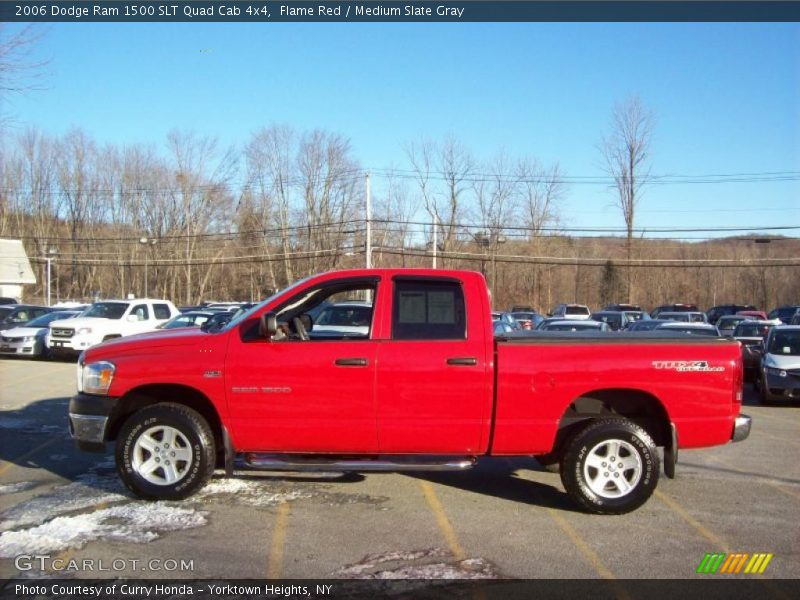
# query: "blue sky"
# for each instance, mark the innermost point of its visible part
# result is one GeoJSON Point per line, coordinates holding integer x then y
{"type": "Point", "coordinates": [726, 97]}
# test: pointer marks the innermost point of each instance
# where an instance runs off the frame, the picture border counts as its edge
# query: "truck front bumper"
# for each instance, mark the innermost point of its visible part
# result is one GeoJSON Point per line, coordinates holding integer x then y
{"type": "Point", "coordinates": [88, 420]}
{"type": "Point", "coordinates": [741, 428]}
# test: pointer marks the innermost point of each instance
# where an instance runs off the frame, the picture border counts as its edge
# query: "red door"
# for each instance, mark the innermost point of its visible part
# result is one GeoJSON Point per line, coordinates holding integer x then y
{"type": "Point", "coordinates": [434, 376]}
{"type": "Point", "coordinates": [302, 396]}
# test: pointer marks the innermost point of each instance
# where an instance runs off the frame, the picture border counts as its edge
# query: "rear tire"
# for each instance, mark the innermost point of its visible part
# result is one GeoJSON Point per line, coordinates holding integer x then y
{"type": "Point", "coordinates": [165, 452]}
{"type": "Point", "coordinates": [611, 466]}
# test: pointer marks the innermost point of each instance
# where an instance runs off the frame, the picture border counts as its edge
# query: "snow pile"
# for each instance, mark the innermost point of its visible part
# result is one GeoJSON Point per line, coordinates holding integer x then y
{"type": "Point", "coordinates": [14, 488]}
{"type": "Point", "coordinates": [138, 523]}
{"type": "Point", "coordinates": [418, 564]}
{"type": "Point", "coordinates": [252, 493]}
{"type": "Point", "coordinates": [87, 492]}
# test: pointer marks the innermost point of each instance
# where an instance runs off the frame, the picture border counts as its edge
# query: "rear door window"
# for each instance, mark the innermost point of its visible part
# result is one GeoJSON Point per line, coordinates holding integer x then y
{"type": "Point", "coordinates": [161, 311]}
{"type": "Point", "coordinates": [428, 310]}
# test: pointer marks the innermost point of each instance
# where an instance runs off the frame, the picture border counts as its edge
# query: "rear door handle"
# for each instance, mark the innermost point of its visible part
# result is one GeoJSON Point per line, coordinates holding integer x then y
{"type": "Point", "coordinates": [463, 361]}
{"type": "Point", "coordinates": [351, 362]}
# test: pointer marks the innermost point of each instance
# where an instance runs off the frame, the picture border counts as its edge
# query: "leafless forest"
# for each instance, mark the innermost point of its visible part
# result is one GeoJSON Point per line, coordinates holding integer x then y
{"type": "Point", "coordinates": [190, 220]}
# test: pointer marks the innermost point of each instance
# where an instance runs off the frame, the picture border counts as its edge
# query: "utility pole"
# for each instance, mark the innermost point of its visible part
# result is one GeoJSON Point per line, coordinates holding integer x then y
{"type": "Point", "coordinates": [435, 238]}
{"type": "Point", "coordinates": [49, 260]}
{"type": "Point", "coordinates": [51, 255]}
{"type": "Point", "coordinates": [147, 242]}
{"type": "Point", "coordinates": [369, 222]}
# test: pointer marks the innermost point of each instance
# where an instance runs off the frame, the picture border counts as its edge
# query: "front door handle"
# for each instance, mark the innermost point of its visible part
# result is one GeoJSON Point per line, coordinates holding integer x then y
{"type": "Point", "coordinates": [463, 361]}
{"type": "Point", "coordinates": [351, 362]}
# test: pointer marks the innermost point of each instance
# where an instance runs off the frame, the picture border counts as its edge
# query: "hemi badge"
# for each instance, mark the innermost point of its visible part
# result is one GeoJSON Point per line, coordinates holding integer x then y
{"type": "Point", "coordinates": [212, 374]}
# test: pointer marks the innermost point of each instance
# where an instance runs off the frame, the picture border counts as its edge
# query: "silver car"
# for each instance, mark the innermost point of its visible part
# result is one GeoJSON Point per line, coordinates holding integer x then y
{"type": "Point", "coordinates": [29, 339]}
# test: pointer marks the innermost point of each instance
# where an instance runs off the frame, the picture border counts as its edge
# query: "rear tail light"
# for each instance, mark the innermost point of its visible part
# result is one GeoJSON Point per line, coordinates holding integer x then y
{"type": "Point", "coordinates": [738, 381]}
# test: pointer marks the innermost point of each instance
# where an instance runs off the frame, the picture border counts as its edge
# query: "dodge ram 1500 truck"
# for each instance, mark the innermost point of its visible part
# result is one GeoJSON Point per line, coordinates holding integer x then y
{"type": "Point", "coordinates": [424, 385]}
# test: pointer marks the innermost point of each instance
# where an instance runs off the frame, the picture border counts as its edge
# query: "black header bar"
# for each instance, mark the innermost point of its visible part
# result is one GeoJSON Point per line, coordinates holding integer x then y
{"type": "Point", "coordinates": [121, 11]}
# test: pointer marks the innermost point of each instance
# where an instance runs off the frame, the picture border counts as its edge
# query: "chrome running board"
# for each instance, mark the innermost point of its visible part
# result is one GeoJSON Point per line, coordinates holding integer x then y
{"type": "Point", "coordinates": [288, 462]}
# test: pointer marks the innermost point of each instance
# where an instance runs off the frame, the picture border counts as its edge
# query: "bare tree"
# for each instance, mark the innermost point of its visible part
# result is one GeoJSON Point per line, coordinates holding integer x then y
{"type": "Point", "coordinates": [497, 201]}
{"type": "Point", "coordinates": [443, 172]}
{"type": "Point", "coordinates": [626, 153]}
{"type": "Point", "coordinates": [541, 189]}
{"type": "Point", "coordinates": [18, 71]}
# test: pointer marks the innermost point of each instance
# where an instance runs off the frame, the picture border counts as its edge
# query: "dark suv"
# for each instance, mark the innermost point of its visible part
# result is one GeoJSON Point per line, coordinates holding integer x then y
{"type": "Point", "coordinates": [784, 313]}
{"type": "Point", "coordinates": [715, 312]}
{"type": "Point", "coordinates": [623, 307]}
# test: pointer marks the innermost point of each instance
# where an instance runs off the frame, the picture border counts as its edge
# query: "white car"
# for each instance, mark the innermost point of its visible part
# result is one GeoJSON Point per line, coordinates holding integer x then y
{"type": "Point", "coordinates": [780, 365]}
{"type": "Point", "coordinates": [29, 340]}
{"type": "Point", "coordinates": [344, 318]}
{"type": "Point", "coordinates": [572, 311]}
{"type": "Point", "coordinates": [684, 316]}
{"type": "Point", "coordinates": [106, 320]}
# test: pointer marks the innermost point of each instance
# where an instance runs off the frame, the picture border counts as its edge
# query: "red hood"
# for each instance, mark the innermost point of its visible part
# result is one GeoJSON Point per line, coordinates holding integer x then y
{"type": "Point", "coordinates": [147, 342]}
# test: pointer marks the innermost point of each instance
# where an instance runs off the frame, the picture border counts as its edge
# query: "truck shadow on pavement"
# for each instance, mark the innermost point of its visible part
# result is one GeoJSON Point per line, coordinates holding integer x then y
{"type": "Point", "coordinates": [36, 437]}
{"type": "Point", "coordinates": [500, 478]}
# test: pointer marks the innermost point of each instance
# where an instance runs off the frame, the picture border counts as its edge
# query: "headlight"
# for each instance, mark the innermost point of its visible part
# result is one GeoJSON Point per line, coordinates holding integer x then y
{"type": "Point", "coordinates": [776, 372]}
{"type": "Point", "coordinates": [30, 338]}
{"type": "Point", "coordinates": [84, 330]}
{"type": "Point", "coordinates": [95, 378]}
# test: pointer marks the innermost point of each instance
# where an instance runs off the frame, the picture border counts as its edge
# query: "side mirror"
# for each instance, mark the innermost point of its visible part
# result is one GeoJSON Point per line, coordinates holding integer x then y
{"type": "Point", "coordinates": [268, 325]}
{"type": "Point", "coordinates": [132, 318]}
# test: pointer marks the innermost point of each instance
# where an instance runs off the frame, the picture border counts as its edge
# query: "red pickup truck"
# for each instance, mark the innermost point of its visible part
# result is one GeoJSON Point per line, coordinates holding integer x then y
{"type": "Point", "coordinates": [421, 384]}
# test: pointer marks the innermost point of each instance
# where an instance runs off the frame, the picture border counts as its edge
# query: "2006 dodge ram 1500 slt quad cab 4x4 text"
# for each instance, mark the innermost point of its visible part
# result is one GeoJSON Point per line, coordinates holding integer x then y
{"type": "Point", "coordinates": [422, 385]}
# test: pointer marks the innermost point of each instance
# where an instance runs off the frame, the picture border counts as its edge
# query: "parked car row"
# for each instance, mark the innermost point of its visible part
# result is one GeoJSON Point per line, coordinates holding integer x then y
{"type": "Point", "coordinates": [785, 314]}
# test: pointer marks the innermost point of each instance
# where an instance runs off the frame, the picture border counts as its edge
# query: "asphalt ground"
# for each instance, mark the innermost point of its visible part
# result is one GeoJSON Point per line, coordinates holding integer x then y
{"type": "Point", "coordinates": [507, 518]}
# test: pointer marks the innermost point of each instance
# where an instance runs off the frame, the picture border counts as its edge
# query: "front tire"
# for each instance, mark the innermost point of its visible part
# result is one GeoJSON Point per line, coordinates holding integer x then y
{"type": "Point", "coordinates": [611, 466]}
{"type": "Point", "coordinates": [165, 452]}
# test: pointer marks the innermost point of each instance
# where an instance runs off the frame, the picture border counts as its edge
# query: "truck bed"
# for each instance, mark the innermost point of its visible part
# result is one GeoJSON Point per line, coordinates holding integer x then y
{"type": "Point", "coordinates": [544, 376]}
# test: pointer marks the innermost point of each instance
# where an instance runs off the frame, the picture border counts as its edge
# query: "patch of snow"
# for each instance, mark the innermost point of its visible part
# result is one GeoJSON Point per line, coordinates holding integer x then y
{"type": "Point", "coordinates": [14, 488]}
{"type": "Point", "coordinates": [418, 564]}
{"type": "Point", "coordinates": [252, 493]}
{"type": "Point", "coordinates": [137, 522]}
{"type": "Point", "coordinates": [88, 491]}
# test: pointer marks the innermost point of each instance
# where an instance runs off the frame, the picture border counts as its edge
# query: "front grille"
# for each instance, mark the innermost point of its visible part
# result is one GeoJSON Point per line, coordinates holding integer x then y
{"type": "Point", "coordinates": [63, 333]}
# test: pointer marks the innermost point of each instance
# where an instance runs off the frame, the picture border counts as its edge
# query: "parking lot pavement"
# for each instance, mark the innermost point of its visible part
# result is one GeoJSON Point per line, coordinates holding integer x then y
{"type": "Point", "coordinates": [506, 518]}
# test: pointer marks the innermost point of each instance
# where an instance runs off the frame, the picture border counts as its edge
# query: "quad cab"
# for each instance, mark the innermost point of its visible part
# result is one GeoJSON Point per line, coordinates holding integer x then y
{"type": "Point", "coordinates": [426, 386]}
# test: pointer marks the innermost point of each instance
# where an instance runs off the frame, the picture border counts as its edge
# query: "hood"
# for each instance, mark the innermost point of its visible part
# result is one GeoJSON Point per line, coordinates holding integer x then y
{"type": "Point", "coordinates": [149, 341]}
{"type": "Point", "coordinates": [779, 361]}
{"type": "Point", "coordinates": [23, 331]}
{"type": "Point", "coordinates": [78, 322]}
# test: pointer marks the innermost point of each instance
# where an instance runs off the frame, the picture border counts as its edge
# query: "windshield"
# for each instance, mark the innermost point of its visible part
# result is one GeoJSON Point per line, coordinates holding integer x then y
{"type": "Point", "coordinates": [785, 343]}
{"type": "Point", "coordinates": [751, 330]}
{"type": "Point", "coordinates": [238, 318]}
{"type": "Point", "coordinates": [729, 322]}
{"type": "Point", "coordinates": [188, 320]}
{"type": "Point", "coordinates": [107, 310]}
{"type": "Point", "coordinates": [45, 320]}
{"type": "Point", "coordinates": [4, 312]}
{"type": "Point", "coordinates": [576, 310]}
